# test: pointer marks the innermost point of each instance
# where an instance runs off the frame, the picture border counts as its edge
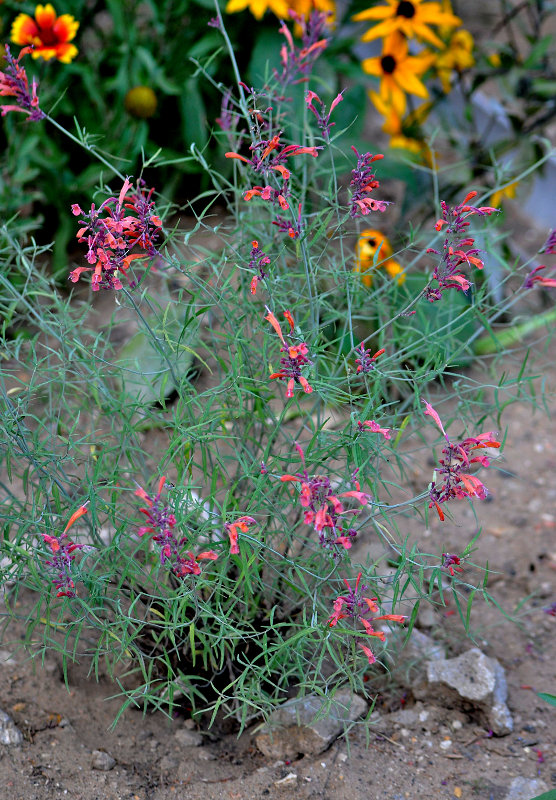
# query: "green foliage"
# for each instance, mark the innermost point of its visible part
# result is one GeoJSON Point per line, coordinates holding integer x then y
{"type": "Point", "coordinates": [104, 392]}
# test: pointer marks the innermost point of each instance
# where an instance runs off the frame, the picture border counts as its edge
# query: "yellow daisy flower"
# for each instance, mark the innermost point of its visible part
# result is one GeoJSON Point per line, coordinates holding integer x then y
{"type": "Point", "coordinates": [399, 72]}
{"type": "Point", "coordinates": [457, 56]}
{"type": "Point", "coordinates": [369, 243]}
{"type": "Point", "coordinates": [508, 191]}
{"type": "Point", "coordinates": [259, 7]}
{"type": "Point", "coordinates": [304, 7]}
{"type": "Point", "coordinates": [409, 17]}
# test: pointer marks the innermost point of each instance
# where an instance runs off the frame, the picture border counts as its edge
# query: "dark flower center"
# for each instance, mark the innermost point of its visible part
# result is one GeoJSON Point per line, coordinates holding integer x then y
{"type": "Point", "coordinates": [388, 64]}
{"type": "Point", "coordinates": [405, 9]}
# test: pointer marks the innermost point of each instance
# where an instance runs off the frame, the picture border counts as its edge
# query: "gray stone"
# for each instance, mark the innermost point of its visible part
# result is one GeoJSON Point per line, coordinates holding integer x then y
{"type": "Point", "coordinates": [423, 647]}
{"type": "Point", "coordinates": [293, 729]}
{"type": "Point", "coordinates": [525, 789]}
{"type": "Point", "coordinates": [188, 738]}
{"type": "Point", "coordinates": [472, 677]}
{"type": "Point", "coordinates": [102, 761]}
{"type": "Point", "coordinates": [9, 733]}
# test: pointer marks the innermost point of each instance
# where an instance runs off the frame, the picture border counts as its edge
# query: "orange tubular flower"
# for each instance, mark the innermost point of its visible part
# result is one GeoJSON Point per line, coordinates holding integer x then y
{"type": "Point", "coordinates": [49, 35]}
{"type": "Point", "coordinates": [399, 72]}
{"type": "Point", "coordinates": [408, 17]}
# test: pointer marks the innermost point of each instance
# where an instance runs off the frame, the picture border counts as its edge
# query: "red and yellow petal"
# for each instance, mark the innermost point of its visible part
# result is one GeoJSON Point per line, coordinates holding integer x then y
{"type": "Point", "coordinates": [24, 30]}
{"type": "Point", "coordinates": [45, 15]}
{"type": "Point", "coordinates": [65, 53]}
{"type": "Point", "coordinates": [65, 28]}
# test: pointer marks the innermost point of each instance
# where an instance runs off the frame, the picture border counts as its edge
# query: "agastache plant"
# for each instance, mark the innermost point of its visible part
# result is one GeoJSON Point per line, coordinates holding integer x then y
{"type": "Point", "coordinates": [365, 361]}
{"type": "Point", "coordinates": [294, 360]}
{"type": "Point", "coordinates": [354, 605]}
{"type": "Point", "coordinates": [363, 182]}
{"type": "Point", "coordinates": [454, 467]}
{"type": "Point", "coordinates": [15, 83]}
{"type": "Point", "coordinates": [458, 249]}
{"type": "Point", "coordinates": [323, 509]}
{"type": "Point", "coordinates": [63, 550]}
{"type": "Point", "coordinates": [111, 233]}
{"type": "Point", "coordinates": [297, 62]}
{"type": "Point", "coordinates": [161, 523]}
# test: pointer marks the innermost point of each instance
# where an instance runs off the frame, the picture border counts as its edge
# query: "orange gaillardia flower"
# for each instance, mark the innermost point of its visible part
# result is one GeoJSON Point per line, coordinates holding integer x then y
{"type": "Point", "coordinates": [399, 72]}
{"type": "Point", "coordinates": [408, 17]}
{"type": "Point", "coordinates": [49, 35]}
{"type": "Point", "coordinates": [374, 244]}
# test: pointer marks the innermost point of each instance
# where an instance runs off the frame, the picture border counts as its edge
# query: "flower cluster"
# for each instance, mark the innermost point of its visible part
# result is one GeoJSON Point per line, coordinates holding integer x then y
{"type": "Point", "coordinates": [323, 509]}
{"type": "Point", "coordinates": [258, 260]}
{"type": "Point", "coordinates": [452, 563]}
{"type": "Point", "coordinates": [354, 606]}
{"type": "Point", "coordinates": [297, 62]}
{"type": "Point", "coordinates": [542, 280]}
{"type": "Point", "coordinates": [111, 233]}
{"type": "Point", "coordinates": [374, 427]}
{"type": "Point", "coordinates": [161, 523]}
{"type": "Point", "coordinates": [401, 70]}
{"type": "Point", "coordinates": [63, 550]}
{"type": "Point", "coordinates": [549, 246]}
{"type": "Point", "coordinates": [295, 358]}
{"type": "Point", "coordinates": [319, 110]}
{"type": "Point", "coordinates": [14, 83]}
{"type": "Point", "coordinates": [365, 361]}
{"type": "Point", "coordinates": [454, 467]}
{"type": "Point", "coordinates": [458, 249]}
{"type": "Point", "coordinates": [48, 34]}
{"type": "Point", "coordinates": [363, 181]}
{"type": "Point", "coordinates": [233, 528]}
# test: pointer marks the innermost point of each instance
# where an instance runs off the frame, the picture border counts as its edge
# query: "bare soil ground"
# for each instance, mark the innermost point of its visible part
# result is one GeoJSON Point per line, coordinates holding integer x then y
{"type": "Point", "coordinates": [446, 755]}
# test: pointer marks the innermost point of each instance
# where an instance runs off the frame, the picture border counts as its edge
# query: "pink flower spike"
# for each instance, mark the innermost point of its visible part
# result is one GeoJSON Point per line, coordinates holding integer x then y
{"type": "Point", "coordinates": [429, 410]}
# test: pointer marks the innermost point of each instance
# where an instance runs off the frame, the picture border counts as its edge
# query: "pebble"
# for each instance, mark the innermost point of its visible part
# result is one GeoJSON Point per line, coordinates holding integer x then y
{"type": "Point", "coordinates": [102, 761]}
{"type": "Point", "coordinates": [446, 744]}
{"type": "Point", "coordinates": [289, 780]}
{"type": "Point", "coordinates": [9, 733]}
{"type": "Point", "coordinates": [188, 738]}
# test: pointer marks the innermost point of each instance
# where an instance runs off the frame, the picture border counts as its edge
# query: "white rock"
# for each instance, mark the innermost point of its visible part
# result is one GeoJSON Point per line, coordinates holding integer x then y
{"type": "Point", "coordinates": [472, 677]}
{"type": "Point", "coordinates": [9, 733]}
{"type": "Point", "coordinates": [102, 761]}
{"type": "Point", "coordinates": [525, 789]}
{"type": "Point", "coordinates": [289, 780]}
